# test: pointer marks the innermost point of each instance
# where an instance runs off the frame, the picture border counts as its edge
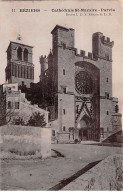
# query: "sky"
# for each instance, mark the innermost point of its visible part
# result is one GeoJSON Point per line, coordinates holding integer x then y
{"type": "Point", "coordinates": [35, 29]}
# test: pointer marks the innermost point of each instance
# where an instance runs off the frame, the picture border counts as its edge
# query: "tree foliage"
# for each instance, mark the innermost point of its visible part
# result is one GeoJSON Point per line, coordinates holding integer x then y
{"type": "Point", "coordinates": [2, 111]}
{"type": "Point", "coordinates": [5, 114]}
{"type": "Point", "coordinates": [37, 120]}
{"type": "Point", "coordinates": [18, 121]}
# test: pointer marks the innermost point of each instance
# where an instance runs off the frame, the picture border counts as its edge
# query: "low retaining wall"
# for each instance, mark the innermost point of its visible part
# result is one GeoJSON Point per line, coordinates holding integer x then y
{"type": "Point", "coordinates": [25, 140]}
{"type": "Point", "coordinates": [64, 137]}
{"type": "Point", "coordinates": [107, 175]}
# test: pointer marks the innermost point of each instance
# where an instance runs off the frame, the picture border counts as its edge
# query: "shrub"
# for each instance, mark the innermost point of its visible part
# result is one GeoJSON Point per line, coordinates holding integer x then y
{"type": "Point", "coordinates": [37, 120]}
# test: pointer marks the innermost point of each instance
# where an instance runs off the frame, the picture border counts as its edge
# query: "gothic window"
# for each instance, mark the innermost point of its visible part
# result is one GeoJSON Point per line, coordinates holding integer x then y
{"type": "Point", "coordinates": [107, 79]}
{"type": "Point", "coordinates": [83, 83]}
{"type": "Point", "coordinates": [26, 55]}
{"type": "Point", "coordinates": [107, 113]}
{"type": "Point", "coordinates": [19, 53]}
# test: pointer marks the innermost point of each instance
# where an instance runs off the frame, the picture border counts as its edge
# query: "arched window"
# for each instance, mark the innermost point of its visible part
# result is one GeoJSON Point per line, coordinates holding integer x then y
{"type": "Point", "coordinates": [25, 55]}
{"type": "Point", "coordinates": [19, 53]}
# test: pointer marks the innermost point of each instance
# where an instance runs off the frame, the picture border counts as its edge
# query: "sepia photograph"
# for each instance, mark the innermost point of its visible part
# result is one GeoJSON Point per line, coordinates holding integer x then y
{"type": "Point", "coordinates": [61, 80]}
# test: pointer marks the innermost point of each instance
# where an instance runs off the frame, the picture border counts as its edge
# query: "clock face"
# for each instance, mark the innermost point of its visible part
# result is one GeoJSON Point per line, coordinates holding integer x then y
{"type": "Point", "coordinates": [83, 83]}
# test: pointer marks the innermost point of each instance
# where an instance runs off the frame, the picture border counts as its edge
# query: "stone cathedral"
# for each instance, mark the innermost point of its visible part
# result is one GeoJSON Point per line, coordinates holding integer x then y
{"type": "Point", "coordinates": [77, 88]}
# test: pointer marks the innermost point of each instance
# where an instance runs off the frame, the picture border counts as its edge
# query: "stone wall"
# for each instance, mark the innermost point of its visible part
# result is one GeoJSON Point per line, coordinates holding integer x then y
{"type": "Point", "coordinates": [66, 115]}
{"type": "Point", "coordinates": [106, 175]}
{"type": "Point", "coordinates": [63, 137]}
{"type": "Point", "coordinates": [18, 80]}
{"type": "Point", "coordinates": [25, 140]}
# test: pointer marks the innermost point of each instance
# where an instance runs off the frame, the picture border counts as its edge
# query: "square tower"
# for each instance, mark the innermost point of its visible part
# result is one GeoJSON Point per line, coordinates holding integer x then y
{"type": "Point", "coordinates": [63, 38]}
{"type": "Point", "coordinates": [20, 68]}
{"type": "Point", "coordinates": [102, 52]}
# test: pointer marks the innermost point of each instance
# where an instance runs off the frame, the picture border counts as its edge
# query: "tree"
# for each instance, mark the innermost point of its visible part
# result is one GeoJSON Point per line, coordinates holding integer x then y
{"type": "Point", "coordinates": [37, 120]}
{"type": "Point", "coordinates": [6, 115]}
{"type": "Point", "coordinates": [18, 121]}
{"type": "Point", "coordinates": [2, 110]}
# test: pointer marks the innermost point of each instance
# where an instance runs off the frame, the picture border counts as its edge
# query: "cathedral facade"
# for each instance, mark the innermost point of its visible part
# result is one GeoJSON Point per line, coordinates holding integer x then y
{"type": "Point", "coordinates": [77, 88]}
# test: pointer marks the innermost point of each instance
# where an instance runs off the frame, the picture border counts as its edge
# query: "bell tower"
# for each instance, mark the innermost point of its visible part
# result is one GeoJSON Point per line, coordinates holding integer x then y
{"type": "Point", "coordinates": [20, 68]}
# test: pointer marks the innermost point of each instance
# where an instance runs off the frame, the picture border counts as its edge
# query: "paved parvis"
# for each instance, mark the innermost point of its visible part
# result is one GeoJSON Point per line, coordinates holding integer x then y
{"type": "Point", "coordinates": [43, 174]}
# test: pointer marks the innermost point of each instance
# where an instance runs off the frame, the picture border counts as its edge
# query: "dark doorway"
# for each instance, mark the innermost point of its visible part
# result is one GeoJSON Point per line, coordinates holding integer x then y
{"type": "Point", "coordinates": [83, 134]}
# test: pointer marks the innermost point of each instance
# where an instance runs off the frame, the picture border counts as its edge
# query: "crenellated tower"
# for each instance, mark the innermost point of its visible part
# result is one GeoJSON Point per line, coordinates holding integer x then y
{"type": "Point", "coordinates": [102, 46]}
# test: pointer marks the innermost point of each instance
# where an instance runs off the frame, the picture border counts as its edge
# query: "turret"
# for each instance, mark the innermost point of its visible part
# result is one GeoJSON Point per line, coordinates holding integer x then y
{"type": "Point", "coordinates": [102, 46]}
{"type": "Point", "coordinates": [44, 65]}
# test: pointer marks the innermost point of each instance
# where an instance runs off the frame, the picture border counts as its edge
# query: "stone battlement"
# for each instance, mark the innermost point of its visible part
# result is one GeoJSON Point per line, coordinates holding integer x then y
{"type": "Point", "coordinates": [43, 59]}
{"type": "Point", "coordinates": [61, 28]}
{"type": "Point", "coordinates": [106, 40]}
{"type": "Point", "coordinates": [82, 52]}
